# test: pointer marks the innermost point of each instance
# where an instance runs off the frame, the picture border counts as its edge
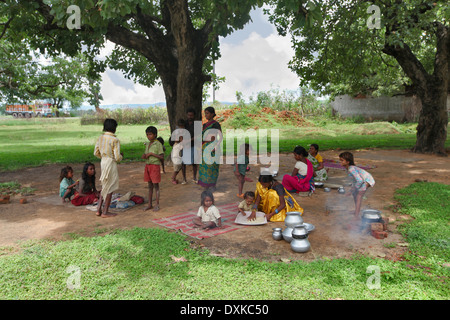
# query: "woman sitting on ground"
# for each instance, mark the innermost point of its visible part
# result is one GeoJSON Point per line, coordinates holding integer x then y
{"type": "Point", "coordinates": [273, 199]}
{"type": "Point", "coordinates": [320, 173]}
{"type": "Point", "coordinates": [302, 177]}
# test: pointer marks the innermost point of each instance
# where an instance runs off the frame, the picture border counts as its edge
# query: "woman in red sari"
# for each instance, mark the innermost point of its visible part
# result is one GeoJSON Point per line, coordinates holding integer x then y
{"type": "Point", "coordinates": [86, 192]}
{"type": "Point", "coordinates": [302, 177]}
{"type": "Point", "coordinates": [209, 168]}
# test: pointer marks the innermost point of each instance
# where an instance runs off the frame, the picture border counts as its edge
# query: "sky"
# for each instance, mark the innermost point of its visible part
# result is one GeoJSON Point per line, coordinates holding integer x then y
{"type": "Point", "coordinates": [253, 59]}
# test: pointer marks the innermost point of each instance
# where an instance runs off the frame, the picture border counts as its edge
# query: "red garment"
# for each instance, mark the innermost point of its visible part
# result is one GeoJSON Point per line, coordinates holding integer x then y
{"type": "Point", "coordinates": [297, 184]}
{"type": "Point", "coordinates": [89, 198]}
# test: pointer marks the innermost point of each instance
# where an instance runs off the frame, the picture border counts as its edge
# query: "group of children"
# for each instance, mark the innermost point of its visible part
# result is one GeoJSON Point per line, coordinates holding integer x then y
{"type": "Point", "coordinates": [107, 148]}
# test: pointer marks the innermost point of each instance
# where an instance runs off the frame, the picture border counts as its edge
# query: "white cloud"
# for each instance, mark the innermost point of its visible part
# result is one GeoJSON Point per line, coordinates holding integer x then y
{"type": "Point", "coordinates": [252, 60]}
{"type": "Point", "coordinates": [257, 64]}
{"type": "Point", "coordinates": [126, 91]}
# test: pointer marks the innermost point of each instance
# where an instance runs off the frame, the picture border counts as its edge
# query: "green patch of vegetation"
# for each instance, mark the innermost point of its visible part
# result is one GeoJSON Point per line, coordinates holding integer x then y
{"type": "Point", "coordinates": [13, 188]}
{"type": "Point", "coordinates": [36, 142]}
{"type": "Point", "coordinates": [428, 233]}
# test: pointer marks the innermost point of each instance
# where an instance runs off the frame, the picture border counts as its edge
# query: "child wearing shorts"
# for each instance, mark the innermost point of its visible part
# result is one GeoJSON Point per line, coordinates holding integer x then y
{"type": "Point", "coordinates": [153, 155]}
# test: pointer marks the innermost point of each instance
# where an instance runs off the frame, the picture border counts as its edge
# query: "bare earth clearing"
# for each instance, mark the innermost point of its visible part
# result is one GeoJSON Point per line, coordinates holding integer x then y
{"type": "Point", "coordinates": [332, 238]}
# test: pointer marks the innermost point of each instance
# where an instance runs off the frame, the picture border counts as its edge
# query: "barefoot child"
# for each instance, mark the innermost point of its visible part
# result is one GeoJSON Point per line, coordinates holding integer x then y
{"type": "Point", "coordinates": [208, 216]}
{"type": "Point", "coordinates": [362, 180]}
{"type": "Point", "coordinates": [86, 192]}
{"type": "Point", "coordinates": [240, 168]}
{"type": "Point", "coordinates": [107, 149]}
{"type": "Point", "coordinates": [153, 155]}
{"type": "Point", "coordinates": [247, 203]}
{"type": "Point", "coordinates": [66, 184]}
{"type": "Point", "coordinates": [160, 139]}
{"type": "Point", "coordinates": [176, 156]}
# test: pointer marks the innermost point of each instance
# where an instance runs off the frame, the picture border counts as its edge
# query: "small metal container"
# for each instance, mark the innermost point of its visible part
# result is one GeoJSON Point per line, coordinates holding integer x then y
{"type": "Point", "coordinates": [341, 190]}
{"type": "Point", "coordinates": [326, 189]}
{"type": "Point", "coordinates": [276, 234]}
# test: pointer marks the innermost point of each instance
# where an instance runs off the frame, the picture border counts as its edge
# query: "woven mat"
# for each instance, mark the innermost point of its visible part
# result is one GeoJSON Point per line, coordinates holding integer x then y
{"type": "Point", "coordinates": [329, 163]}
{"type": "Point", "coordinates": [183, 222]}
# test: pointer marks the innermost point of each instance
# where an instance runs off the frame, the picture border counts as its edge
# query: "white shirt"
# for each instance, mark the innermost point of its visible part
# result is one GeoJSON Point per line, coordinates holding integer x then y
{"type": "Point", "coordinates": [176, 150]}
{"type": "Point", "coordinates": [302, 168]}
{"type": "Point", "coordinates": [212, 214]}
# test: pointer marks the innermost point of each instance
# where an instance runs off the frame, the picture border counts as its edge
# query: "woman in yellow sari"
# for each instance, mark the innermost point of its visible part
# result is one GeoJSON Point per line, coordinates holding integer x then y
{"type": "Point", "coordinates": [273, 199]}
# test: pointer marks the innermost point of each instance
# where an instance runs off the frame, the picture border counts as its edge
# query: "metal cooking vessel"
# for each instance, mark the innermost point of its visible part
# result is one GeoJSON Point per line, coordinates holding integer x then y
{"type": "Point", "coordinates": [287, 234]}
{"type": "Point", "coordinates": [300, 241]}
{"type": "Point", "coordinates": [300, 232]}
{"type": "Point", "coordinates": [318, 184]}
{"type": "Point", "coordinates": [276, 234]}
{"type": "Point", "coordinates": [371, 215]}
{"type": "Point", "coordinates": [293, 218]}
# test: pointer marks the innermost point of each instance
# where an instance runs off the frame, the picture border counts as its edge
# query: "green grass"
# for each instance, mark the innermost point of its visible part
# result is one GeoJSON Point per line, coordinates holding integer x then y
{"type": "Point", "coordinates": [36, 142]}
{"type": "Point", "coordinates": [158, 264]}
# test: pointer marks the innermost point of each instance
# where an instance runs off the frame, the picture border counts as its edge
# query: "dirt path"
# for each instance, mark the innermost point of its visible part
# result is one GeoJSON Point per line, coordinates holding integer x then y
{"type": "Point", "coordinates": [331, 238]}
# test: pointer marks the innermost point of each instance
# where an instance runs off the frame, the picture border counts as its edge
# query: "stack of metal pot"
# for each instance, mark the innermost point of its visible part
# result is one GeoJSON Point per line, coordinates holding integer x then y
{"type": "Point", "coordinates": [295, 232]}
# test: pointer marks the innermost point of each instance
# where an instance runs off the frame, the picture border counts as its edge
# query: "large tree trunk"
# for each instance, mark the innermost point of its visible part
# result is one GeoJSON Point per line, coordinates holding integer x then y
{"type": "Point", "coordinates": [432, 89]}
{"type": "Point", "coordinates": [178, 55]}
{"type": "Point", "coordinates": [192, 46]}
{"type": "Point", "coordinates": [433, 121]}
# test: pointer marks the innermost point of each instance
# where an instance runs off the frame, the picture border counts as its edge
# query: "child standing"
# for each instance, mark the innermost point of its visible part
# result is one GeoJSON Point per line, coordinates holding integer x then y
{"type": "Point", "coordinates": [107, 149]}
{"type": "Point", "coordinates": [176, 155]}
{"type": "Point", "coordinates": [66, 183]}
{"type": "Point", "coordinates": [247, 203]}
{"type": "Point", "coordinates": [161, 140]}
{"type": "Point", "coordinates": [86, 191]}
{"type": "Point", "coordinates": [208, 216]}
{"type": "Point", "coordinates": [361, 179]}
{"type": "Point", "coordinates": [241, 166]}
{"type": "Point", "coordinates": [153, 155]}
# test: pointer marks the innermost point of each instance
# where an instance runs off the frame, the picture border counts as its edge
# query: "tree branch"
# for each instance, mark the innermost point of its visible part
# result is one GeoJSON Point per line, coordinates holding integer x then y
{"type": "Point", "coordinates": [6, 26]}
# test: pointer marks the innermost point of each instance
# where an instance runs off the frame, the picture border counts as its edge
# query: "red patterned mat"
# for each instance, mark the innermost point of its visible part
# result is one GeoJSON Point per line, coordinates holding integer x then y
{"type": "Point", "coordinates": [183, 222]}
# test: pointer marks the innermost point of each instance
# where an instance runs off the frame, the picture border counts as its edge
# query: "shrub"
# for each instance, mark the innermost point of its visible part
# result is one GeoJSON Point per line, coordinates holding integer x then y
{"type": "Point", "coordinates": [127, 116]}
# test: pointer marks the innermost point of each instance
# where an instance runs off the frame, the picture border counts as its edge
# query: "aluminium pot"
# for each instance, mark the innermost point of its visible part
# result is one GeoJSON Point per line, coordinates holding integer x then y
{"type": "Point", "coordinates": [318, 184]}
{"type": "Point", "coordinates": [276, 234]}
{"type": "Point", "coordinates": [293, 218]}
{"type": "Point", "coordinates": [371, 215]}
{"type": "Point", "coordinates": [300, 242]}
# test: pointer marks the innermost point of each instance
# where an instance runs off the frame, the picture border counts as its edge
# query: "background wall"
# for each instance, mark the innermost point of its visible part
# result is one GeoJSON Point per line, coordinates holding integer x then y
{"type": "Point", "coordinates": [398, 108]}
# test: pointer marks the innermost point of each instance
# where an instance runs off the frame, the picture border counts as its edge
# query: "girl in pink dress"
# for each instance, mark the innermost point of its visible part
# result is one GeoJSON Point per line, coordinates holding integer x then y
{"type": "Point", "coordinates": [301, 179]}
{"type": "Point", "coordinates": [362, 180]}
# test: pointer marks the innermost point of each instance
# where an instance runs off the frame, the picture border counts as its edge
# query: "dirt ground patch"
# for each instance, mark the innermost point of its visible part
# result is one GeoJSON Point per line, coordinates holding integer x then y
{"type": "Point", "coordinates": [331, 238]}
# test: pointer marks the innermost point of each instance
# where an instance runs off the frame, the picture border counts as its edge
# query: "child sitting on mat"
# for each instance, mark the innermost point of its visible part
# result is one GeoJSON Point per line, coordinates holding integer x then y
{"type": "Point", "coordinates": [86, 191]}
{"type": "Point", "coordinates": [208, 216]}
{"type": "Point", "coordinates": [247, 203]}
{"type": "Point", "coordinates": [66, 183]}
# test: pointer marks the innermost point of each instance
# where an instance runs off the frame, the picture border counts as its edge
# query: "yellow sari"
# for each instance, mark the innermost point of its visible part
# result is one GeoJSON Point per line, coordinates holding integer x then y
{"type": "Point", "coordinates": [270, 200]}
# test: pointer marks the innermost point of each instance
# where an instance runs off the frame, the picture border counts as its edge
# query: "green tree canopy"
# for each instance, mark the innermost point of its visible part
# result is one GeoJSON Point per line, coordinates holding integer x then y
{"type": "Point", "coordinates": [169, 41]}
{"type": "Point", "coordinates": [346, 52]}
